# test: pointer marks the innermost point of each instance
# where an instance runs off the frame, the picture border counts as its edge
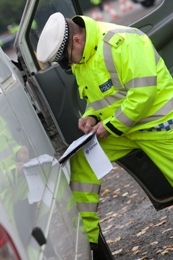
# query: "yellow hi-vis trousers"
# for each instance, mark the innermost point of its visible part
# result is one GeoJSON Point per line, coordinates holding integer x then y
{"type": "Point", "coordinates": [85, 185]}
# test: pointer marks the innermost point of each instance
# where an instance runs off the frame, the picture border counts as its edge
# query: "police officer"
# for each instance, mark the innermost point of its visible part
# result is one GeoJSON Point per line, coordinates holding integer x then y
{"type": "Point", "coordinates": [129, 94]}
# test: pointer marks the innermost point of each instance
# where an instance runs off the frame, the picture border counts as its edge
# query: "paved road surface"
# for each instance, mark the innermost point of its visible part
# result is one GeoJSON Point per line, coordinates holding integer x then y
{"type": "Point", "coordinates": [125, 15]}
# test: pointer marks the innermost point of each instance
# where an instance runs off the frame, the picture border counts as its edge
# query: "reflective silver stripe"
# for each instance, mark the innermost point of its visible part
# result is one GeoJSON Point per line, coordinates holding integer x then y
{"type": "Point", "coordinates": [157, 56]}
{"type": "Point", "coordinates": [136, 82]}
{"type": "Point", "coordinates": [122, 29]}
{"type": "Point", "coordinates": [141, 82]}
{"type": "Point", "coordinates": [167, 108]}
{"type": "Point", "coordinates": [123, 118]}
{"type": "Point", "coordinates": [87, 207]}
{"type": "Point", "coordinates": [100, 104]}
{"type": "Point", "coordinates": [85, 187]}
{"type": "Point", "coordinates": [108, 58]}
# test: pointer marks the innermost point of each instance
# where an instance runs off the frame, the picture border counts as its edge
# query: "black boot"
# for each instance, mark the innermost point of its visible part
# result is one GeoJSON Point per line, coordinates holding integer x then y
{"type": "Point", "coordinates": [101, 251]}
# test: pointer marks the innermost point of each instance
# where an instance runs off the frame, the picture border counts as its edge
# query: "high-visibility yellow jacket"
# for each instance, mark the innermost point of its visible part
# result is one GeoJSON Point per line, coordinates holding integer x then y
{"type": "Point", "coordinates": [124, 80]}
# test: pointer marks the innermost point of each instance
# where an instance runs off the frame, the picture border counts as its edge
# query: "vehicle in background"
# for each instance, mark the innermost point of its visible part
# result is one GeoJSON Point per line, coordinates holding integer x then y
{"type": "Point", "coordinates": [145, 3]}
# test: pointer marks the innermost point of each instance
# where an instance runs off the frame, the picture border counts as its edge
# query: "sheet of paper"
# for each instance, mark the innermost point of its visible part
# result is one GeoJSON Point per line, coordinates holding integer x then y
{"type": "Point", "coordinates": [75, 145]}
{"type": "Point", "coordinates": [97, 158]}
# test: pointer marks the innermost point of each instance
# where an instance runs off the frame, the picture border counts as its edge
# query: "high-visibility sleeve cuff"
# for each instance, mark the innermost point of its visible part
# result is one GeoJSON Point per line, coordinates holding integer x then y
{"type": "Point", "coordinates": [113, 129]}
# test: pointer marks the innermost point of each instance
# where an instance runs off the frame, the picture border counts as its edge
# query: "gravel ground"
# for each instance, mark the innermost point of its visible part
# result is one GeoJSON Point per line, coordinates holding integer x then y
{"type": "Point", "coordinates": [133, 229]}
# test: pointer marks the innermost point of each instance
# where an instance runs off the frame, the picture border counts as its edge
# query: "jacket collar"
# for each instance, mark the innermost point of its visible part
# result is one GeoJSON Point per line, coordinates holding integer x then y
{"type": "Point", "coordinates": [92, 35]}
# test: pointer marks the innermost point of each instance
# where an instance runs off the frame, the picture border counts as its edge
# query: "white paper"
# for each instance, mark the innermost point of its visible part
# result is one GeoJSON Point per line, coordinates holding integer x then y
{"type": "Point", "coordinates": [74, 145]}
{"type": "Point", "coordinates": [97, 158]}
{"type": "Point", "coordinates": [35, 184]}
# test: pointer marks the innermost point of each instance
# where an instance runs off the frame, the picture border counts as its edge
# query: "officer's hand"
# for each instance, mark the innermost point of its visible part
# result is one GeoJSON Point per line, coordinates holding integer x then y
{"type": "Point", "coordinates": [86, 124]}
{"type": "Point", "coordinates": [100, 131]}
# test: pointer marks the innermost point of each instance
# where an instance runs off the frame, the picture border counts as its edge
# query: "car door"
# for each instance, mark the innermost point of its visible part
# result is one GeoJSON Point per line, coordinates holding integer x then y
{"type": "Point", "coordinates": [55, 90]}
{"type": "Point", "coordinates": [158, 26]}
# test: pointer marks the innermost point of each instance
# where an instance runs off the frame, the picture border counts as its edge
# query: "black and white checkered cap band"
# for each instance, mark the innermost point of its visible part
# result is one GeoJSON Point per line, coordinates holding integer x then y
{"type": "Point", "coordinates": [61, 49]}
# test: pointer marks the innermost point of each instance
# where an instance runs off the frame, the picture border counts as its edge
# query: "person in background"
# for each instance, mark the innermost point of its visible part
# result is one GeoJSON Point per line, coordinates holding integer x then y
{"type": "Point", "coordinates": [129, 95]}
{"type": "Point", "coordinates": [13, 28]}
{"type": "Point", "coordinates": [97, 10]}
{"type": "Point", "coordinates": [97, 3]}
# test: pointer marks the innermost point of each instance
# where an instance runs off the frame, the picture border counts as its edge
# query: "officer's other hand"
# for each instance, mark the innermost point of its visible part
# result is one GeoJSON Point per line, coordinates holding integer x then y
{"type": "Point", "coordinates": [100, 131]}
{"type": "Point", "coordinates": [86, 124]}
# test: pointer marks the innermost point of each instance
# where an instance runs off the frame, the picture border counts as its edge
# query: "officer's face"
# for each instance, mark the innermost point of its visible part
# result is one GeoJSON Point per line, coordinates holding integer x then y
{"type": "Point", "coordinates": [75, 49]}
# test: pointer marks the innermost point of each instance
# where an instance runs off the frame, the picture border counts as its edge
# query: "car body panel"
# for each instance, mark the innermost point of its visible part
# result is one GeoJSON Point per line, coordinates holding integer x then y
{"type": "Point", "coordinates": [34, 195]}
{"type": "Point", "coordinates": [158, 26]}
{"type": "Point", "coordinates": [58, 81]}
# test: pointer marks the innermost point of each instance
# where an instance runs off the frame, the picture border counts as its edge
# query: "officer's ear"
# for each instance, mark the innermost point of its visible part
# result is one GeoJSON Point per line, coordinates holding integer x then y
{"type": "Point", "coordinates": [78, 39]}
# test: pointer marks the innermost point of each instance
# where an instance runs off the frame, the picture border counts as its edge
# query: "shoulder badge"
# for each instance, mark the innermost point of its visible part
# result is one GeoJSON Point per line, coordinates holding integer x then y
{"type": "Point", "coordinates": [113, 39]}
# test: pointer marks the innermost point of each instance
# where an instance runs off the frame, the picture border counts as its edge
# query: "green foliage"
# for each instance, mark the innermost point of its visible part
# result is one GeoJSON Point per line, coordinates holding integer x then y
{"type": "Point", "coordinates": [11, 12]}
